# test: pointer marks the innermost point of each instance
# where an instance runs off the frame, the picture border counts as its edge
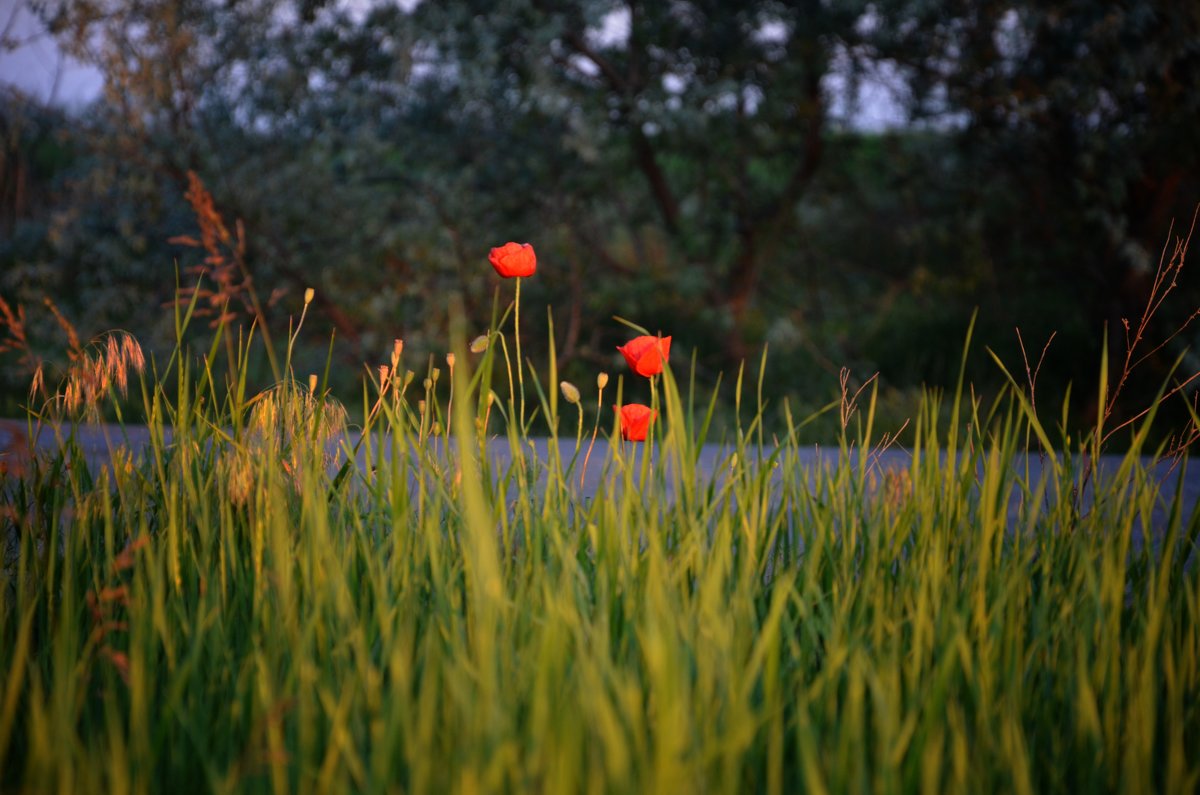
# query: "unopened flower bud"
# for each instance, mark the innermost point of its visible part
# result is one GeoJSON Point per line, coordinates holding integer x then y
{"type": "Point", "coordinates": [428, 384]}
{"type": "Point", "coordinates": [383, 374]}
{"type": "Point", "coordinates": [436, 430]}
{"type": "Point", "coordinates": [312, 383]}
{"type": "Point", "coordinates": [308, 296]}
{"type": "Point", "coordinates": [450, 360]}
{"type": "Point", "coordinates": [437, 373]}
{"type": "Point", "coordinates": [570, 392]}
{"type": "Point", "coordinates": [397, 349]}
{"type": "Point", "coordinates": [479, 344]}
{"type": "Point", "coordinates": [421, 407]}
{"type": "Point", "coordinates": [602, 380]}
{"type": "Point", "coordinates": [409, 375]}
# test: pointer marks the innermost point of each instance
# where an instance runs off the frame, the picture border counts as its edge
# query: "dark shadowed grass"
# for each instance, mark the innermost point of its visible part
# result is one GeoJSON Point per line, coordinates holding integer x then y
{"type": "Point", "coordinates": [242, 610]}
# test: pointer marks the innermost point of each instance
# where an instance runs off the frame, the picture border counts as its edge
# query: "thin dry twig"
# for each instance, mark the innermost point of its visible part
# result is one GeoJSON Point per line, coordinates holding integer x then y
{"type": "Point", "coordinates": [885, 442]}
{"type": "Point", "coordinates": [1031, 376]}
{"type": "Point", "coordinates": [849, 402]}
{"type": "Point", "coordinates": [1166, 279]}
{"type": "Point", "coordinates": [1178, 444]}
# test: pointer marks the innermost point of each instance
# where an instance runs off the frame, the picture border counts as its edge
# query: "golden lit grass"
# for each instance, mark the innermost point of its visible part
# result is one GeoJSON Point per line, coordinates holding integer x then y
{"type": "Point", "coordinates": [256, 605]}
{"type": "Point", "coordinates": [243, 611]}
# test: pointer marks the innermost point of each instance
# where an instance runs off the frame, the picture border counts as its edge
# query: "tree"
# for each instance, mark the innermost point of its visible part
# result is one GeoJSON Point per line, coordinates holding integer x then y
{"type": "Point", "coordinates": [719, 108]}
{"type": "Point", "coordinates": [678, 162]}
{"type": "Point", "coordinates": [1084, 112]}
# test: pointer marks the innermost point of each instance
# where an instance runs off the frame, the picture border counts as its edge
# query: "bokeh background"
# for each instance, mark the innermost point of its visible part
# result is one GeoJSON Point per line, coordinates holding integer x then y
{"type": "Point", "coordinates": [846, 182]}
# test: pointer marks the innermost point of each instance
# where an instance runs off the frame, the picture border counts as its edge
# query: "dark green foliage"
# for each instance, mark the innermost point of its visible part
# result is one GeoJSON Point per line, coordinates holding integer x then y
{"type": "Point", "coordinates": [693, 174]}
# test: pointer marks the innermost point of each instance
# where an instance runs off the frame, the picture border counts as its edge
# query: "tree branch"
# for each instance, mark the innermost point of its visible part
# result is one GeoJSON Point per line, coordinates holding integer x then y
{"type": "Point", "coordinates": [614, 78]}
{"type": "Point", "coordinates": [643, 149]}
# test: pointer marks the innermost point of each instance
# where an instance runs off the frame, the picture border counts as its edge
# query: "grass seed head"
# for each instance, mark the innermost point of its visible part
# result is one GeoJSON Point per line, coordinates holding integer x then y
{"type": "Point", "coordinates": [286, 417]}
{"type": "Point", "coordinates": [38, 384]}
{"type": "Point", "coordinates": [132, 351]}
{"type": "Point", "coordinates": [239, 476]}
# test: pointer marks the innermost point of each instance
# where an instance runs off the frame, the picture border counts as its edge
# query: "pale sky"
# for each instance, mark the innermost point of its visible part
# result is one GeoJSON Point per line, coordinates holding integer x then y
{"type": "Point", "coordinates": [30, 60]}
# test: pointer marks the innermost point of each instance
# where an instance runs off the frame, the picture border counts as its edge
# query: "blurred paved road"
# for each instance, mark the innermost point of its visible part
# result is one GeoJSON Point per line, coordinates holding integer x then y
{"type": "Point", "coordinates": [97, 442]}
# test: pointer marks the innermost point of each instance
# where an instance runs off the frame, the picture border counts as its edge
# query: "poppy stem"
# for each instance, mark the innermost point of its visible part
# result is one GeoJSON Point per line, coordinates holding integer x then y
{"type": "Point", "coordinates": [520, 361]}
{"type": "Point", "coordinates": [649, 441]}
{"type": "Point", "coordinates": [595, 430]}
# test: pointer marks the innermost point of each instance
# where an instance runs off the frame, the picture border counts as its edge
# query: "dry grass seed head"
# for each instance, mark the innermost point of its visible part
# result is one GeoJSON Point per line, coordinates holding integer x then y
{"type": "Point", "coordinates": [38, 384]}
{"type": "Point", "coordinates": [286, 415]}
{"type": "Point", "coordinates": [282, 422]}
{"type": "Point", "coordinates": [132, 353]}
{"type": "Point", "coordinates": [91, 375]}
{"type": "Point", "coordinates": [13, 322]}
{"type": "Point", "coordinates": [238, 469]}
{"type": "Point", "coordinates": [75, 349]}
{"type": "Point", "coordinates": [212, 227]}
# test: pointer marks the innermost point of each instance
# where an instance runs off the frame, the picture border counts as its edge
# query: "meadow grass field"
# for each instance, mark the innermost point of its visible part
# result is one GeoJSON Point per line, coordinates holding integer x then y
{"type": "Point", "coordinates": [254, 605]}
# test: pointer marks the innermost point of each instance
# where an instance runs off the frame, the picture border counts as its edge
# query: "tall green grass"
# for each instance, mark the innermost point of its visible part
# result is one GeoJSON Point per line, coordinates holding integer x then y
{"type": "Point", "coordinates": [242, 610]}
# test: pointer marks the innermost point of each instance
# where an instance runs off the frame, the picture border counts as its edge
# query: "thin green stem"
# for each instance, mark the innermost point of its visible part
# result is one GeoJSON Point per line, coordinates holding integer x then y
{"type": "Point", "coordinates": [520, 361]}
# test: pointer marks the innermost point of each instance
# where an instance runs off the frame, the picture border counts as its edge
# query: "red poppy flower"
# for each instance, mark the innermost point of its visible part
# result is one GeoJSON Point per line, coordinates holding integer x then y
{"type": "Point", "coordinates": [635, 421]}
{"type": "Point", "coordinates": [513, 259]}
{"type": "Point", "coordinates": [646, 355]}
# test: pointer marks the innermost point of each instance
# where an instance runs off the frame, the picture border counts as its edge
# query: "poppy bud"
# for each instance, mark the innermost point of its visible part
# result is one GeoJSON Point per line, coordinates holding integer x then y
{"type": "Point", "coordinates": [312, 383]}
{"type": "Point", "coordinates": [450, 359]}
{"type": "Point", "coordinates": [602, 380]}
{"type": "Point", "coordinates": [570, 392]}
{"type": "Point", "coordinates": [309, 294]}
{"type": "Point", "coordinates": [513, 259]}
{"type": "Point", "coordinates": [479, 344]}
